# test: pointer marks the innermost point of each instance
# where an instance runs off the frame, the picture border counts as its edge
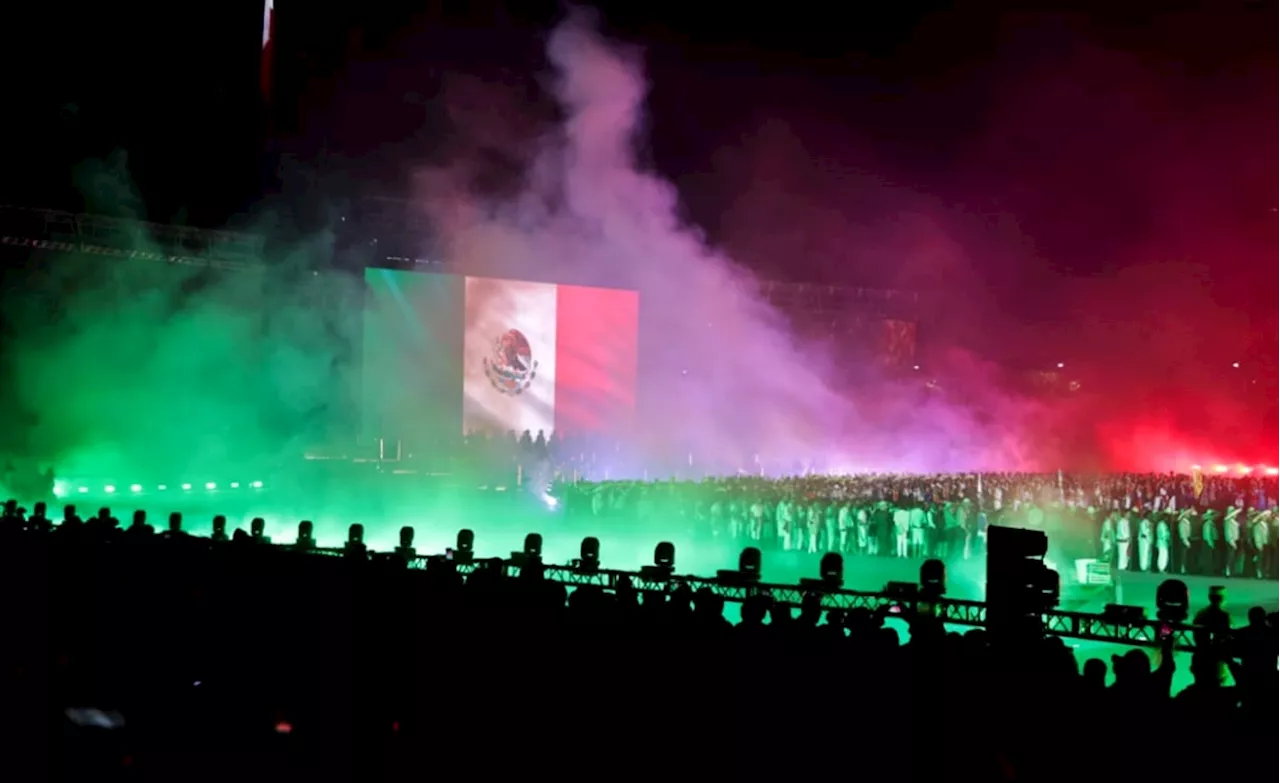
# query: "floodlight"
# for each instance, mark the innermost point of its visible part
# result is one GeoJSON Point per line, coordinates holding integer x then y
{"type": "Point", "coordinates": [355, 548]}
{"type": "Point", "coordinates": [466, 542]}
{"type": "Point", "coordinates": [464, 548]}
{"type": "Point", "coordinates": [664, 555]}
{"type": "Point", "coordinates": [533, 546]}
{"type": "Point", "coordinates": [306, 537]}
{"type": "Point", "coordinates": [933, 579]}
{"type": "Point", "coordinates": [405, 552]}
{"type": "Point", "coordinates": [1173, 601]}
{"type": "Point", "coordinates": [831, 569]}
{"type": "Point", "coordinates": [589, 553]}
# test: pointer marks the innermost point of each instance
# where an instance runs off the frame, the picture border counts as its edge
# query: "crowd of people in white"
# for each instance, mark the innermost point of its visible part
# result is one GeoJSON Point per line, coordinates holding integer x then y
{"type": "Point", "coordinates": [1163, 523]}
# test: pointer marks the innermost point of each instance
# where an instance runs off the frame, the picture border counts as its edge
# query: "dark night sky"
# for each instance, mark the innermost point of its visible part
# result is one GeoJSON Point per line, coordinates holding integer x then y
{"type": "Point", "coordinates": [1028, 160]}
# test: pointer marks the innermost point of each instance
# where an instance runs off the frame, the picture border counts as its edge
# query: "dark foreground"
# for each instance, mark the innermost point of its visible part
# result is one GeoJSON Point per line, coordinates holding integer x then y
{"type": "Point", "coordinates": [239, 659]}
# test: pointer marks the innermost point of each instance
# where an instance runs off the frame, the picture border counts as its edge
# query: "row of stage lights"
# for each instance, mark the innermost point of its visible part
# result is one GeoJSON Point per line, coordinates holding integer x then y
{"type": "Point", "coordinates": [1243, 470]}
{"type": "Point", "coordinates": [933, 573]}
{"type": "Point", "coordinates": [61, 490]}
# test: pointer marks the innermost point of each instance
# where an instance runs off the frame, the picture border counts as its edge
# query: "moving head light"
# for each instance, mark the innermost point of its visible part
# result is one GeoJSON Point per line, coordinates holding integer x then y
{"type": "Point", "coordinates": [664, 563]}
{"type": "Point", "coordinates": [748, 572]}
{"type": "Point", "coordinates": [588, 560]}
{"type": "Point", "coordinates": [464, 549]}
{"type": "Point", "coordinates": [532, 552]}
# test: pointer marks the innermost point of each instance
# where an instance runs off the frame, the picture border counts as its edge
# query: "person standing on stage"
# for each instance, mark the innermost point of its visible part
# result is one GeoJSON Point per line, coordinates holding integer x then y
{"type": "Point", "coordinates": [918, 520]}
{"type": "Point", "coordinates": [757, 519]}
{"type": "Point", "coordinates": [844, 525]}
{"type": "Point", "coordinates": [863, 521]}
{"type": "Point", "coordinates": [1107, 539]}
{"type": "Point", "coordinates": [813, 527]}
{"type": "Point", "coordinates": [901, 531]}
{"type": "Point", "coordinates": [878, 521]}
{"type": "Point", "coordinates": [1210, 564]}
{"type": "Point", "coordinates": [1232, 554]}
{"type": "Point", "coordinates": [1259, 534]}
{"type": "Point", "coordinates": [1146, 540]}
{"type": "Point", "coordinates": [785, 512]}
{"type": "Point", "coordinates": [1124, 538]}
{"type": "Point", "coordinates": [1163, 537]}
{"type": "Point", "coordinates": [1185, 544]}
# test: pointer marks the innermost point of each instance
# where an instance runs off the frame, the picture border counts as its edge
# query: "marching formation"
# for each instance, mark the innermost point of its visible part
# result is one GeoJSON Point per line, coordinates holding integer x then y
{"type": "Point", "coordinates": [1165, 523]}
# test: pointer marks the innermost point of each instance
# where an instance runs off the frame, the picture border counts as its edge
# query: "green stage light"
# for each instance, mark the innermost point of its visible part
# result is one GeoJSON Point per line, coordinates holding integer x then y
{"type": "Point", "coordinates": [162, 487]}
{"type": "Point", "coordinates": [256, 485]}
{"type": "Point", "coordinates": [186, 486]}
{"type": "Point", "coordinates": [108, 489]}
{"type": "Point", "coordinates": [82, 490]}
{"type": "Point", "coordinates": [135, 488]}
{"type": "Point", "coordinates": [211, 485]}
{"type": "Point", "coordinates": [235, 485]}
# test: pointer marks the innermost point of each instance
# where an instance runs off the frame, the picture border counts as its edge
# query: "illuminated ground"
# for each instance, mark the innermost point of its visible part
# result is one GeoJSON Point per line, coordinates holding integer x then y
{"type": "Point", "coordinates": [438, 508]}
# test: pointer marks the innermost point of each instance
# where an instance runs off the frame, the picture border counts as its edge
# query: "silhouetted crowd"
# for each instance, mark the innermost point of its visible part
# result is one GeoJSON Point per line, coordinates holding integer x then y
{"type": "Point", "coordinates": [166, 656]}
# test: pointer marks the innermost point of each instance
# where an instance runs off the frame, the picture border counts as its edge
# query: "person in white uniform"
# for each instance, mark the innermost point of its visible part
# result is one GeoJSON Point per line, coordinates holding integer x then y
{"type": "Point", "coordinates": [1124, 538]}
{"type": "Point", "coordinates": [1146, 540]}
{"type": "Point", "coordinates": [1164, 538]}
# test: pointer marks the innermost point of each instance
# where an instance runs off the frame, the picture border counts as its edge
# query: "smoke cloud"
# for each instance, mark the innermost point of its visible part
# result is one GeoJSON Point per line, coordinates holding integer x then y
{"type": "Point", "coordinates": [722, 372]}
{"type": "Point", "coordinates": [138, 369]}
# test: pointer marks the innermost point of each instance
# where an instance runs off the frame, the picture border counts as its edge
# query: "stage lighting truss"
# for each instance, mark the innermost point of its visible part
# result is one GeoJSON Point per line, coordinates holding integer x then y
{"type": "Point", "coordinates": [1070, 625]}
{"type": "Point", "coordinates": [67, 487]}
{"type": "Point", "coordinates": [67, 232]}
{"type": "Point", "coordinates": [1074, 625]}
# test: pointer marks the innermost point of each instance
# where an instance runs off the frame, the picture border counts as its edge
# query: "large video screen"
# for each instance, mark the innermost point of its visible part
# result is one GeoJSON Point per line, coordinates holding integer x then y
{"type": "Point", "coordinates": [445, 354]}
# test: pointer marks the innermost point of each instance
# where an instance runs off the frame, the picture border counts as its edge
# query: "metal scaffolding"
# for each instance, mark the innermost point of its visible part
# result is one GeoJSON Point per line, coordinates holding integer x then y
{"type": "Point", "coordinates": [56, 231]}
{"type": "Point", "coordinates": [1071, 625]}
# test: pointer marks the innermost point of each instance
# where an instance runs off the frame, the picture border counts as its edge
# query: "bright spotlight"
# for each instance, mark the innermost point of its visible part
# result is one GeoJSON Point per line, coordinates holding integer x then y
{"type": "Point", "coordinates": [1219, 468]}
{"type": "Point", "coordinates": [186, 486]}
{"type": "Point", "coordinates": [235, 485]}
{"type": "Point", "coordinates": [1245, 469]}
{"type": "Point", "coordinates": [1061, 365]}
{"type": "Point", "coordinates": [1272, 472]}
{"type": "Point", "coordinates": [256, 485]}
{"type": "Point", "coordinates": [83, 490]}
{"type": "Point", "coordinates": [162, 487]}
{"type": "Point", "coordinates": [108, 489]}
{"type": "Point", "coordinates": [1235, 365]}
{"type": "Point", "coordinates": [211, 485]}
{"type": "Point", "coordinates": [59, 489]}
{"type": "Point", "coordinates": [550, 502]}
{"type": "Point", "coordinates": [135, 487]}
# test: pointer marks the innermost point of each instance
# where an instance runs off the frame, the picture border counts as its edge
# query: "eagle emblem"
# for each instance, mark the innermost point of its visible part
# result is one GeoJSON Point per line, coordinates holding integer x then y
{"type": "Point", "coordinates": [511, 366]}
